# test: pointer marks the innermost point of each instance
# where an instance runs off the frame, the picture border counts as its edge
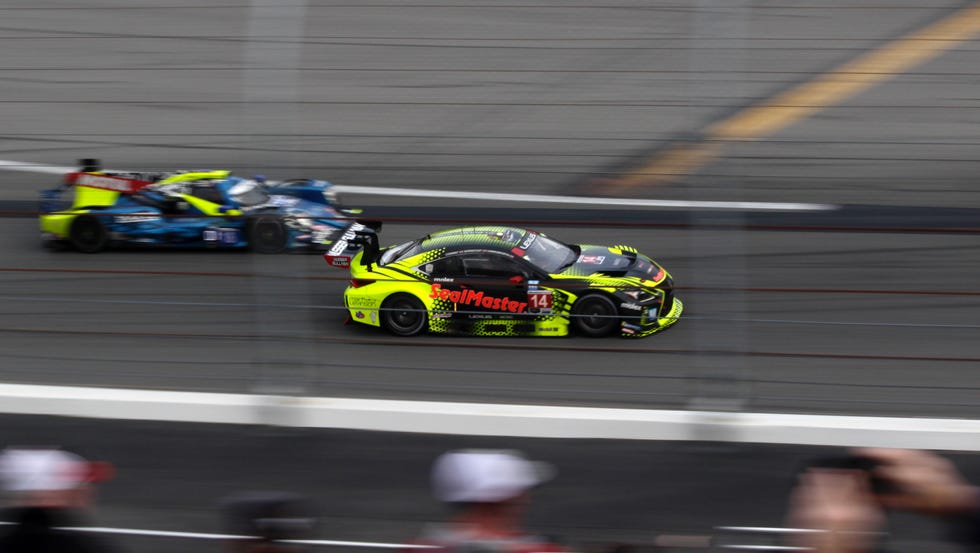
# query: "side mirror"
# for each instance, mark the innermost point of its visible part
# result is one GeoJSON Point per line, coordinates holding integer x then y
{"type": "Point", "coordinates": [516, 279]}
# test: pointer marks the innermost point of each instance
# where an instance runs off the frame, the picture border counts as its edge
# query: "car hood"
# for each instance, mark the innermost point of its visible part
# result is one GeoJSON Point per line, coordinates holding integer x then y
{"type": "Point", "coordinates": [613, 261]}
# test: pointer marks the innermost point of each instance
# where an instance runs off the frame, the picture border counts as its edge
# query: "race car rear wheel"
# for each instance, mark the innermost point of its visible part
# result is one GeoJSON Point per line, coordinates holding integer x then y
{"type": "Point", "coordinates": [88, 234]}
{"type": "Point", "coordinates": [267, 234]}
{"type": "Point", "coordinates": [403, 315]}
{"type": "Point", "coordinates": [595, 315]}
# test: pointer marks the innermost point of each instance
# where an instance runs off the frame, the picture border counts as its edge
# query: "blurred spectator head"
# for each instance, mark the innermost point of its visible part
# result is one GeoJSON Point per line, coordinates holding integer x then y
{"type": "Point", "coordinates": [268, 518]}
{"type": "Point", "coordinates": [49, 477]}
{"type": "Point", "coordinates": [486, 476]}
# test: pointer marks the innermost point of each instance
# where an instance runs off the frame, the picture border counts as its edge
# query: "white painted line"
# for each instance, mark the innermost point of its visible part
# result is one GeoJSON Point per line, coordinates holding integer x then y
{"type": "Point", "coordinates": [495, 197]}
{"type": "Point", "coordinates": [485, 419]}
{"type": "Point", "coordinates": [766, 530]}
{"type": "Point", "coordinates": [29, 167]}
{"type": "Point", "coordinates": [203, 536]}
{"type": "Point", "coordinates": [765, 548]}
{"type": "Point", "coordinates": [591, 201]}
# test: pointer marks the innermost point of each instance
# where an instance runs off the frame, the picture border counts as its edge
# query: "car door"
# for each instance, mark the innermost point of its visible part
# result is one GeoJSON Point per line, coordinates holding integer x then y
{"type": "Point", "coordinates": [495, 286]}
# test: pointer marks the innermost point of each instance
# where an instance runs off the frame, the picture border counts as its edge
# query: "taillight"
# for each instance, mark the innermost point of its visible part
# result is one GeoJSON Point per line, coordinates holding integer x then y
{"type": "Point", "coordinates": [358, 282]}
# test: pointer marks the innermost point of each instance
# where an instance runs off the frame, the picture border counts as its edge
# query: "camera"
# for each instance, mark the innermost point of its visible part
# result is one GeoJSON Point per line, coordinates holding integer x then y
{"type": "Point", "coordinates": [868, 465]}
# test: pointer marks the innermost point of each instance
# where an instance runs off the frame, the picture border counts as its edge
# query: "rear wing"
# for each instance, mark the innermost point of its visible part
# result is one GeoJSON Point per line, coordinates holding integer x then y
{"type": "Point", "coordinates": [101, 189]}
{"type": "Point", "coordinates": [93, 187]}
{"type": "Point", "coordinates": [358, 236]}
{"type": "Point", "coordinates": [107, 181]}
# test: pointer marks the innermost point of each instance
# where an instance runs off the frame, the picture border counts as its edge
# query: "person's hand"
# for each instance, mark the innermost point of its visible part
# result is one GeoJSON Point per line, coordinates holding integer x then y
{"type": "Point", "coordinates": [923, 482]}
{"type": "Point", "coordinates": [836, 510]}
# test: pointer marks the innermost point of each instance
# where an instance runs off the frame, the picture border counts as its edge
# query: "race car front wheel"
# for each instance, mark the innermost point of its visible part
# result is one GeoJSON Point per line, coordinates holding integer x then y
{"type": "Point", "coordinates": [267, 234]}
{"type": "Point", "coordinates": [595, 315]}
{"type": "Point", "coordinates": [403, 315]}
{"type": "Point", "coordinates": [88, 234]}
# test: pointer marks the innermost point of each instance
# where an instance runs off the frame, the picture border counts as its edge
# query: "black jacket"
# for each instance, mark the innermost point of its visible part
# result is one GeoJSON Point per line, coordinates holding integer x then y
{"type": "Point", "coordinates": [40, 530]}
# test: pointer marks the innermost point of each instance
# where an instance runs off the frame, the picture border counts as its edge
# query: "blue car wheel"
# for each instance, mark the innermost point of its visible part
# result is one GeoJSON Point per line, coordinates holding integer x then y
{"type": "Point", "coordinates": [267, 234]}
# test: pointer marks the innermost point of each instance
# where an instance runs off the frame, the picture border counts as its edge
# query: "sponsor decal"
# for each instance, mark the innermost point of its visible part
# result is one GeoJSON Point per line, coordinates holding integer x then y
{"type": "Point", "coordinates": [338, 260]}
{"type": "Point", "coordinates": [223, 235]}
{"type": "Point", "coordinates": [359, 314]}
{"type": "Point", "coordinates": [105, 182]}
{"type": "Point", "coordinates": [592, 259]}
{"type": "Point", "coordinates": [631, 306]}
{"type": "Point", "coordinates": [631, 326]}
{"type": "Point", "coordinates": [136, 217]}
{"type": "Point", "coordinates": [476, 299]}
{"type": "Point", "coordinates": [628, 330]}
{"type": "Point", "coordinates": [283, 201]}
{"type": "Point", "coordinates": [540, 301]}
{"type": "Point", "coordinates": [528, 240]}
{"type": "Point", "coordinates": [348, 235]}
{"type": "Point", "coordinates": [362, 302]}
{"type": "Point", "coordinates": [444, 279]}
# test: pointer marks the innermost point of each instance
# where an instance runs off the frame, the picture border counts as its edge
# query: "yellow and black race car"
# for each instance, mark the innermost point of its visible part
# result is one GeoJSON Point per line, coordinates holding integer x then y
{"type": "Point", "coordinates": [502, 281]}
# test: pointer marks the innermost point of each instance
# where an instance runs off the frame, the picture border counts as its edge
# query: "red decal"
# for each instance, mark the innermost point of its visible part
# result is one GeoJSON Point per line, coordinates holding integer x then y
{"type": "Point", "coordinates": [476, 299]}
{"type": "Point", "coordinates": [337, 260]}
{"type": "Point", "coordinates": [106, 182]}
{"type": "Point", "coordinates": [539, 299]}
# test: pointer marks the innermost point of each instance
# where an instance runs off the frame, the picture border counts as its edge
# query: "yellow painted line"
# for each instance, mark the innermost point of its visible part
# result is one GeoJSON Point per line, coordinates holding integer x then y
{"type": "Point", "coordinates": [850, 79]}
{"type": "Point", "coordinates": [676, 162]}
{"type": "Point", "coordinates": [802, 101]}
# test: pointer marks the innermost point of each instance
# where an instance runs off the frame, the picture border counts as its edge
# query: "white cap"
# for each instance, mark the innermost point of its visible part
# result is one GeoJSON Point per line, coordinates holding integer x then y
{"type": "Point", "coordinates": [28, 470]}
{"type": "Point", "coordinates": [486, 476]}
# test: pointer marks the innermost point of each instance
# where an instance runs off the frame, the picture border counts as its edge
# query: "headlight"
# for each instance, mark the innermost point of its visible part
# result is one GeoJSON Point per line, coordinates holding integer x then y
{"type": "Point", "coordinates": [641, 296]}
{"type": "Point", "coordinates": [330, 195]}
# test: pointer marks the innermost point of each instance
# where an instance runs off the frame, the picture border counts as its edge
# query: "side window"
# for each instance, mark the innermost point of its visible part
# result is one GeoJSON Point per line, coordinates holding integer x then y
{"type": "Point", "coordinates": [491, 266]}
{"type": "Point", "coordinates": [447, 267]}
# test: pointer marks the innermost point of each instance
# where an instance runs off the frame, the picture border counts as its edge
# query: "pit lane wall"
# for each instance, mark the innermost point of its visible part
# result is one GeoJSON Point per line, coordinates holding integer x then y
{"type": "Point", "coordinates": [490, 419]}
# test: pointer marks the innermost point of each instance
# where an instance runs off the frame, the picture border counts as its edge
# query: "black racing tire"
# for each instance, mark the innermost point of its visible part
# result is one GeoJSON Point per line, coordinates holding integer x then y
{"type": "Point", "coordinates": [87, 234]}
{"type": "Point", "coordinates": [595, 315]}
{"type": "Point", "coordinates": [404, 315]}
{"type": "Point", "coordinates": [267, 234]}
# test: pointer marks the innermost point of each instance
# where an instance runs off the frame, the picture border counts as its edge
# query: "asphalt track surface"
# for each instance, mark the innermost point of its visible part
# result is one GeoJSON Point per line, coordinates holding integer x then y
{"type": "Point", "coordinates": [872, 309]}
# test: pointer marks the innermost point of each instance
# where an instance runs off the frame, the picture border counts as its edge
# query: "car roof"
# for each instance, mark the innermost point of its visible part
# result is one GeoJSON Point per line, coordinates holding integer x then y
{"type": "Point", "coordinates": [487, 237]}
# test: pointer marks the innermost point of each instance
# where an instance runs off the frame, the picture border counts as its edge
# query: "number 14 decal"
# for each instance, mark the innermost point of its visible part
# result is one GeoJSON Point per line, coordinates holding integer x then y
{"type": "Point", "coordinates": [539, 301]}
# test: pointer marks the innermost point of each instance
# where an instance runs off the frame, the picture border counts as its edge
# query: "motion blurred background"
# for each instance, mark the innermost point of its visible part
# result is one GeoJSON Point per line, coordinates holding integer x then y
{"type": "Point", "coordinates": [860, 298]}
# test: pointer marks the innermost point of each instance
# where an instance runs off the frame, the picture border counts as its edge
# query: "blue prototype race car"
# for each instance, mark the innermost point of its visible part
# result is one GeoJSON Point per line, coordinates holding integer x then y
{"type": "Point", "coordinates": [190, 209]}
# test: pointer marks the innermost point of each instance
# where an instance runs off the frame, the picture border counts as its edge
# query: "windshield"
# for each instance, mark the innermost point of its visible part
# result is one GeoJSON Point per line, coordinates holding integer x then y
{"type": "Point", "coordinates": [248, 193]}
{"type": "Point", "coordinates": [547, 254]}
